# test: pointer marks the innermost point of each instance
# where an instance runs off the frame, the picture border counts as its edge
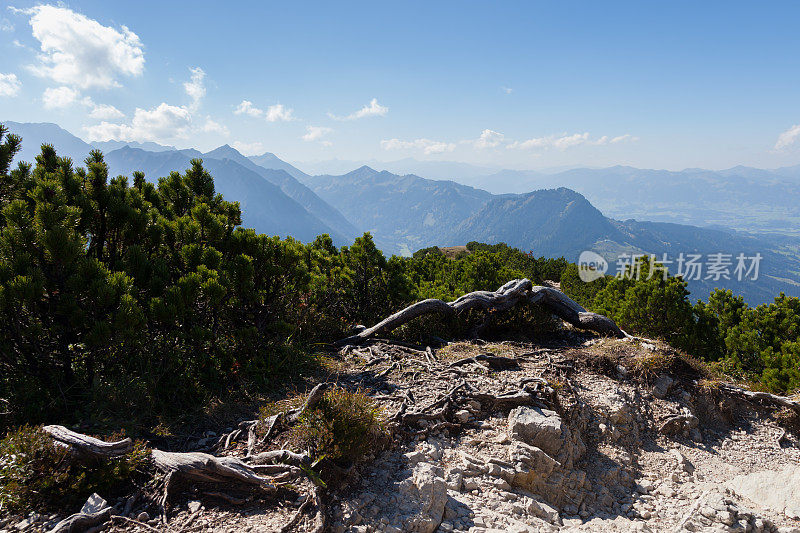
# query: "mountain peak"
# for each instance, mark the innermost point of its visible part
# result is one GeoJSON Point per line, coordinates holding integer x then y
{"type": "Point", "coordinates": [225, 150]}
{"type": "Point", "coordinates": [364, 170]}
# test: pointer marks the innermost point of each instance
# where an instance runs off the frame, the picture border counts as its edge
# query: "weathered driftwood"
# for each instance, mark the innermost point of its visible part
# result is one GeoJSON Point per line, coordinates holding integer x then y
{"type": "Point", "coordinates": [278, 457]}
{"type": "Point", "coordinates": [762, 397]}
{"type": "Point", "coordinates": [494, 362]}
{"type": "Point", "coordinates": [89, 446]}
{"type": "Point", "coordinates": [198, 466]}
{"type": "Point", "coordinates": [504, 298]}
{"type": "Point", "coordinates": [82, 521]}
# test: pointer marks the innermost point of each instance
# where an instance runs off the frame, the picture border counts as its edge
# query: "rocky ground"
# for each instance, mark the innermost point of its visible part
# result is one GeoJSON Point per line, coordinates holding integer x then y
{"type": "Point", "coordinates": [576, 434]}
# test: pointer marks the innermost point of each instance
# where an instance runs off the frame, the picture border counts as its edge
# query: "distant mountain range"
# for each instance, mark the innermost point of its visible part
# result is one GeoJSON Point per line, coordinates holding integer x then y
{"type": "Point", "coordinates": [404, 213]}
{"type": "Point", "coordinates": [440, 170]}
{"type": "Point", "coordinates": [272, 200]}
{"type": "Point", "coordinates": [741, 198]}
{"type": "Point", "coordinates": [408, 212]}
{"type": "Point", "coordinates": [557, 222]}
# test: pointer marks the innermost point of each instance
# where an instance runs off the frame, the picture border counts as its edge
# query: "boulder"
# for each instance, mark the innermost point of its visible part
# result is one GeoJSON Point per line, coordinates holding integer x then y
{"type": "Point", "coordinates": [778, 490]}
{"type": "Point", "coordinates": [615, 408]}
{"type": "Point", "coordinates": [661, 386]}
{"type": "Point", "coordinates": [544, 511]}
{"type": "Point", "coordinates": [426, 493]}
{"type": "Point", "coordinates": [526, 458]}
{"type": "Point", "coordinates": [537, 427]}
{"type": "Point", "coordinates": [94, 504]}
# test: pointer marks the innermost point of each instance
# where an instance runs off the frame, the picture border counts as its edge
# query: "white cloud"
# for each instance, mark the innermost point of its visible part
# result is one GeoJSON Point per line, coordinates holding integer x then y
{"type": "Point", "coordinates": [248, 149]}
{"type": "Point", "coordinates": [80, 52]}
{"type": "Point", "coordinates": [315, 133]}
{"type": "Point", "coordinates": [63, 97]}
{"type": "Point", "coordinates": [605, 139]}
{"type": "Point", "coordinates": [274, 113]}
{"type": "Point", "coordinates": [195, 87]}
{"type": "Point", "coordinates": [489, 139]}
{"type": "Point", "coordinates": [563, 142]}
{"type": "Point", "coordinates": [211, 126]}
{"type": "Point", "coordinates": [785, 139]}
{"type": "Point", "coordinates": [568, 141]}
{"type": "Point", "coordinates": [623, 138]}
{"type": "Point", "coordinates": [5, 25]}
{"type": "Point", "coordinates": [59, 97]}
{"type": "Point", "coordinates": [277, 113]}
{"type": "Point", "coordinates": [426, 145]}
{"type": "Point", "coordinates": [162, 123]}
{"type": "Point", "coordinates": [9, 85]}
{"type": "Point", "coordinates": [507, 90]}
{"type": "Point", "coordinates": [105, 112]}
{"type": "Point", "coordinates": [247, 107]}
{"type": "Point", "coordinates": [372, 109]}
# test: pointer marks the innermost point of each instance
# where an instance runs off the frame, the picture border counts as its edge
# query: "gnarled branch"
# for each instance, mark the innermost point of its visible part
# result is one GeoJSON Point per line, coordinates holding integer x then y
{"type": "Point", "coordinates": [89, 446]}
{"type": "Point", "coordinates": [504, 298]}
{"type": "Point", "coordinates": [204, 467]}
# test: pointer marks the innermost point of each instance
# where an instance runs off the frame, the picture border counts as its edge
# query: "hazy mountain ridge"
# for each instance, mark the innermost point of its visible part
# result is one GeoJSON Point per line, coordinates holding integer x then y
{"type": "Point", "coordinates": [403, 212]}
{"type": "Point", "coordinates": [264, 206]}
{"type": "Point", "coordinates": [741, 198]}
{"type": "Point", "coordinates": [271, 161]}
{"type": "Point", "coordinates": [563, 222]}
{"type": "Point", "coordinates": [293, 189]}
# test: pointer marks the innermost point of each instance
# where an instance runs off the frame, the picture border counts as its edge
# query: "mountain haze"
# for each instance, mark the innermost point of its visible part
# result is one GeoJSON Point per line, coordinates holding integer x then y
{"type": "Point", "coordinates": [742, 198]}
{"type": "Point", "coordinates": [271, 161]}
{"type": "Point", "coordinates": [264, 206]}
{"type": "Point", "coordinates": [293, 188]}
{"type": "Point", "coordinates": [404, 213]}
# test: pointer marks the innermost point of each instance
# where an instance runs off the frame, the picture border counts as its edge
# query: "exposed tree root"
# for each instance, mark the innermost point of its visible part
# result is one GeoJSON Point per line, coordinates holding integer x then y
{"type": "Point", "coordinates": [132, 521]}
{"type": "Point", "coordinates": [322, 514]}
{"type": "Point", "coordinates": [274, 423]}
{"type": "Point", "coordinates": [263, 472]}
{"type": "Point", "coordinates": [298, 515]}
{"type": "Point", "coordinates": [198, 466]}
{"type": "Point", "coordinates": [504, 298]}
{"type": "Point", "coordinates": [493, 362]}
{"type": "Point", "coordinates": [275, 457]}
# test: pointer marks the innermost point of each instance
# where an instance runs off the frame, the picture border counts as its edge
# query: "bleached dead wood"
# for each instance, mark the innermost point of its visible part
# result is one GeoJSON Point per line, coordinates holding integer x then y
{"type": "Point", "coordinates": [274, 457]}
{"type": "Point", "coordinates": [504, 298]}
{"type": "Point", "coordinates": [762, 397]}
{"type": "Point", "coordinates": [82, 521]}
{"type": "Point", "coordinates": [198, 466]}
{"type": "Point", "coordinates": [89, 446]}
{"type": "Point", "coordinates": [494, 362]}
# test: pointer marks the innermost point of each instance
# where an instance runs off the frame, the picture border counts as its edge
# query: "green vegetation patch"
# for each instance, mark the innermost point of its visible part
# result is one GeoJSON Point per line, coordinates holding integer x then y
{"type": "Point", "coordinates": [343, 427]}
{"type": "Point", "coordinates": [35, 473]}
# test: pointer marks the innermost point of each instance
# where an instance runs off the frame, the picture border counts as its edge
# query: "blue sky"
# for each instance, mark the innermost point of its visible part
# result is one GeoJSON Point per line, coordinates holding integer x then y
{"type": "Point", "coordinates": [518, 85]}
